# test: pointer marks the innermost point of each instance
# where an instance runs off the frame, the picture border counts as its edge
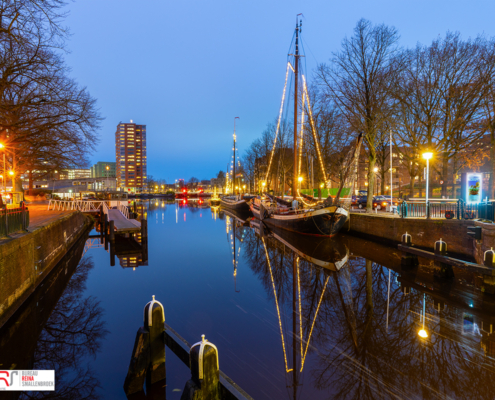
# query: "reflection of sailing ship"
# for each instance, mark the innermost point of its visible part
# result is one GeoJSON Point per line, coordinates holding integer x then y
{"type": "Point", "coordinates": [331, 254]}
{"type": "Point", "coordinates": [311, 261]}
{"type": "Point", "coordinates": [236, 234]}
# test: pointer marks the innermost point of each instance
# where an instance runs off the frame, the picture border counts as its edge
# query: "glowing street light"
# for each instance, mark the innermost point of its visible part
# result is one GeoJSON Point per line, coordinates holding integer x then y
{"type": "Point", "coordinates": [423, 333]}
{"type": "Point", "coordinates": [427, 156]}
{"type": "Point", "coordinates": [300, 179]}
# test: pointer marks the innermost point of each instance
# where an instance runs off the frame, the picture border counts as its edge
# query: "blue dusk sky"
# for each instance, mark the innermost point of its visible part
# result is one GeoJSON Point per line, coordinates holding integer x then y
{"type": "Point", "coordinates": [187, 68]}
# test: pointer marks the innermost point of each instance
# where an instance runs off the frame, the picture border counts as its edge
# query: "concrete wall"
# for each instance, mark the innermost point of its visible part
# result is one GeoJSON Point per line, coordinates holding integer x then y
{"type": "Point", "coordinates": [26, 260]}
{"type": "Point", "coordinates": [424, 232]}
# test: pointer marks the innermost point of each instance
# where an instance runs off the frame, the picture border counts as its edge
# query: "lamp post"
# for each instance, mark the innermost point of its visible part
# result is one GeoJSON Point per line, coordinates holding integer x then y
{"type": "Point", "coordinates": [107, 169]}
{"type": "Point", "coordinates": [427, 156]}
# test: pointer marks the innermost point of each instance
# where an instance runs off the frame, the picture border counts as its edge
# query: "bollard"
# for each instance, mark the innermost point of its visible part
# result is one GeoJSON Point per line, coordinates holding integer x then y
{"type": "Point", "coordinates": [489, 258]}
{"type": "Point", "coordinates": [148, 355]}
{"type": "Point", "coordinates": [406, 239]}
{"type": "Point", "coordinates": [205, 373]}
{"type": "Point", "coordinates": [440, 247]}
{"type": "Point", "coordinates": [112, 231]}
{"type": "Point", "coordinates": [154, 321]}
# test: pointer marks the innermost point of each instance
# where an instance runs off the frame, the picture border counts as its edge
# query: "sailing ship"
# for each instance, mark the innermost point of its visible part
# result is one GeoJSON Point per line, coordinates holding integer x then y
{"type": "Point", "coordinates": [314, 218]}
{"type": "Point", "coordinates": [215, 200]}
{"type": "Point", "coordinates": [236, 201]}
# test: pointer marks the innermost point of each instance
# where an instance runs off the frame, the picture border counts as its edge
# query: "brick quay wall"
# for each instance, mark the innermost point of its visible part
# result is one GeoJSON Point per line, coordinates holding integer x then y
{"type": "Point", "coordinates": [26, 260]}
{"type": "Point", "coordinates": [424, 232]}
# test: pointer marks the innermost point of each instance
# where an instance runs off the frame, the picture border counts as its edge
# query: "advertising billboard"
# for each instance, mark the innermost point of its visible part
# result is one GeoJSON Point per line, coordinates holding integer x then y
{"type": "Point", "coordinates": [474, 187]}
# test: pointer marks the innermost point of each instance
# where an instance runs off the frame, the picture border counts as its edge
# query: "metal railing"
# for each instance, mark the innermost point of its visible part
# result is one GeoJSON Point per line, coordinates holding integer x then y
{"type": "Point", "coordinates": [123, 209]}
{"type": "Point", "coordinates": [72, 205]}
{"type": "Point", "coordinates": [458, 209]}
{"type": "Point", "coordinates": [13, 220]}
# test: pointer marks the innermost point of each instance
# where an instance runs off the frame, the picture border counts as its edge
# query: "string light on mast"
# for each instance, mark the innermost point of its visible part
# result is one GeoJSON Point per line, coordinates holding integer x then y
{"type": "Point", "coordinates": [278, 122]}
{"type": "Point", "coordinates": [314, 130]}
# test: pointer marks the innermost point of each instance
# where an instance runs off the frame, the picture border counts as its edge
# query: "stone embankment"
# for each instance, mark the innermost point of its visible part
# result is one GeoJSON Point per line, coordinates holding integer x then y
{"type": "Point", "coordinates": [424, 232]}
{"type": "Point", "coordinates": [27, 259]}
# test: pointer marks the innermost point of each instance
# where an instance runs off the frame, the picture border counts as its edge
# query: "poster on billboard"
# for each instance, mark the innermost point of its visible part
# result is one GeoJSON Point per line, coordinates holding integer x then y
{"type": "Point", "coordinates": [474, 187]}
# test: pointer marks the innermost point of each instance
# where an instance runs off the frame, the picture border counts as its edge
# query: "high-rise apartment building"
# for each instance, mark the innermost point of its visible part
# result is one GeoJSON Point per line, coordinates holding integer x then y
{"type": "Point", "coordinates": [130, 155]}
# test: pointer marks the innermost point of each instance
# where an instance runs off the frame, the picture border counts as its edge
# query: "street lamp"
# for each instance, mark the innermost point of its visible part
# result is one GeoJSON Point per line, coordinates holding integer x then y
{"type": "Point", "coordinates": [427, 156]}
{"type": "Point", "coordinates": [107, 169]}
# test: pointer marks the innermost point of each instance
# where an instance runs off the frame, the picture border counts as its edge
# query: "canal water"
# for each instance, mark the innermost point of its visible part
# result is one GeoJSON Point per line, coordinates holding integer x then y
{"type": "Point", "coordinates": [292, 317]}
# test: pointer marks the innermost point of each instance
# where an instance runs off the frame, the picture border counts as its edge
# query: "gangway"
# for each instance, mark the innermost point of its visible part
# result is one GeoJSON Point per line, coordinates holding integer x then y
{"type": "Point", "coordinates": [116, 211]}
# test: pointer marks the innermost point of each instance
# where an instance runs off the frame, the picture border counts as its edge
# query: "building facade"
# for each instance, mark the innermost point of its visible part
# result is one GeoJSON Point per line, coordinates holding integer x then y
{"type": "Point", "coordinates": [100, 170]}
{"type": "Point", "coordinates": [77, 173]}
{"type": "Point", "coordinates": [130, 155]}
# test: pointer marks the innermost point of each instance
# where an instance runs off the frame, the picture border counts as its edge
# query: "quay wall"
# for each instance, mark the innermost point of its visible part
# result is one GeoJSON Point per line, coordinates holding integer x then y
{"type": "Point", "coordinates": [26, 260]}
{"type": "Point", "coordinates": [424, 232]}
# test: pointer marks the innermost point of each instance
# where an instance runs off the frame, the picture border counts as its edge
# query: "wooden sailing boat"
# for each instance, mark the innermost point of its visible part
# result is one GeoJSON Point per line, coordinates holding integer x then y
{"type": "Point", "coordinates": [236, 201]}
{"type": "Point", "coordinates": [317, 219]}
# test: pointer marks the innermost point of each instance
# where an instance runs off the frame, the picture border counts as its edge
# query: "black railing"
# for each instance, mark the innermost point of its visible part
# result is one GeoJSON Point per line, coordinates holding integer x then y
{"type": "Point", "coordinates": [458, 209]}
{"type": "Point", "coordinates": [13, 220]}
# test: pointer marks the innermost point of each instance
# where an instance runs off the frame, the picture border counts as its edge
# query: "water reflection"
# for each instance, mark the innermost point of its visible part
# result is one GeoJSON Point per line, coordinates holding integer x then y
{"type": "Point", "coordinates": [293, 317]}
{"type": "Point", "coordinates": [59, 328]}
{"type": "Point", "coordinates": [367, 331]}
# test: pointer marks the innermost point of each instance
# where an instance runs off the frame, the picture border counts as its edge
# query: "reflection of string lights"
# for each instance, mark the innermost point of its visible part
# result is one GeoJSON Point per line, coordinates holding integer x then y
{"type": "Point", "coordinates": [300, 310]}
{"type": "Point", "coordinates": [276, 303]}
{"type": "Point", "coordinates": [313, 324]}
{"type": "Point", "coordinates": [278, 122]}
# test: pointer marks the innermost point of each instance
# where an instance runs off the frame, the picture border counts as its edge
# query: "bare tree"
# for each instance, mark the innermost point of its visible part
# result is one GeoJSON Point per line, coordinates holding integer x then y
{"type": "Point", "coordinates": [359, 80]}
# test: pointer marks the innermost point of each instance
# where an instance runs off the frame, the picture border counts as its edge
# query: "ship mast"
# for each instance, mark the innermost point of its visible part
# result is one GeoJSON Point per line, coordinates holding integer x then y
{"type": "Point", "coordinates": [233, 180]}
{"type": "Point", "coordinates": [296, 73]}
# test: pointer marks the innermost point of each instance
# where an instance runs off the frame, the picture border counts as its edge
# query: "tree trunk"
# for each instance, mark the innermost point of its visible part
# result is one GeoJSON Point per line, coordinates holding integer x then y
{"type": "Point", "coordinates": [369, 284]}
{"type": "Point", "coordinates": [30, 181]}
{"type": "Point", "coordinates": [491, 193]}
{"type": "Point", "coordinates": [382, 181]}
{"type": "Point", "coordinates": [371, 181]}
{"type": "Point", "coordinates": [420, 185]}
{"type": "Point", "coordinates": [445, 173]}
{"type": "Point", "coordinates": [412, 182]}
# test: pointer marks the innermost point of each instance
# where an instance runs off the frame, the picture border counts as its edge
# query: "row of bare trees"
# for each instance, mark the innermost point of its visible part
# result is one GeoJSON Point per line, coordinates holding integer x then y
{"type": "Point", "coordinates": [438, 98]}
{"type": "Point", "coordinates": [48, 122]}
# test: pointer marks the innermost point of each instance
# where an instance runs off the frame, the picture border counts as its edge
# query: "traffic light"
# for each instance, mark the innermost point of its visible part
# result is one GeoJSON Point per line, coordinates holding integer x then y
{"type": "Point", "coordinates": [474, 232]}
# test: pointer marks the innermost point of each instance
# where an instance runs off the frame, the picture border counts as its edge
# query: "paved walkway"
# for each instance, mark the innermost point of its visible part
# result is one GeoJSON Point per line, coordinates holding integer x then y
{"type": "Point", "coordinates": [39, 214]}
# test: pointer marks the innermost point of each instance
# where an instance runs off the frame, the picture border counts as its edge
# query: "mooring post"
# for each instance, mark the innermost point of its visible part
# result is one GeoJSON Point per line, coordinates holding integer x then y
{"type": "Point", "coordinates": [112, 231]}
{"type": "Point", "coordinates": [112, 254]}
{"type": "Point", "coordinates": [105, 230]}
{"type": "Point", "coordinates": [205, 372]}
{"type": "Point", "coordinates": [440, 247]}
{"type": "Point", "coordinates": [144, 228]}
{"type": "Point", "coordinates": [489, 258]}
{"type": "Point", "coordinates": [148, 355]}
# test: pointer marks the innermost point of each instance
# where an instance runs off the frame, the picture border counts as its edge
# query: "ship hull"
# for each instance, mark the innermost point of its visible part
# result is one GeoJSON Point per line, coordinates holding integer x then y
{"type": "Point", "coordinates": [238, 205]}
{"type": "Point", "coordinates": [326, 222]}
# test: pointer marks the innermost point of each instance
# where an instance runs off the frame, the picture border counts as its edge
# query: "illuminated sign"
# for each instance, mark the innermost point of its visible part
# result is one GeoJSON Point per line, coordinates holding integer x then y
{"type": "Point", "coordinates": [474, 187]}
